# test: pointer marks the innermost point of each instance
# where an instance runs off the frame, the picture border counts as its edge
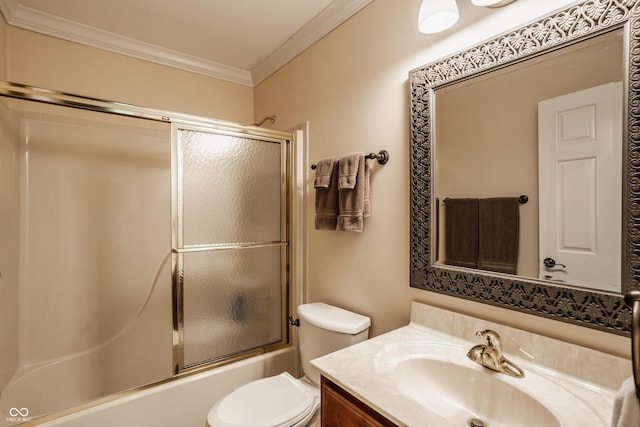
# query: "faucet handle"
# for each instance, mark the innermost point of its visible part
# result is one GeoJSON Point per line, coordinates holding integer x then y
{"type": "Point", "coordinates": [489, 334]}
{"type": "Point", "coordinates": [492, 337]}
{"type": "Point", "coordinates": [490, 355]}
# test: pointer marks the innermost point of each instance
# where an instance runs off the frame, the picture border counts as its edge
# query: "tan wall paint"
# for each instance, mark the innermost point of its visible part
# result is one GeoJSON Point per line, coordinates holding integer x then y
{"type": "Point", "coordinates": [53, 63]}
{"type": "Point", "coordinates": [352, 87]}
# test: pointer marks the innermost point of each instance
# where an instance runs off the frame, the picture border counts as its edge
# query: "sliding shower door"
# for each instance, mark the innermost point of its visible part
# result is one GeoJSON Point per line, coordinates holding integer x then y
{"type": "Point", "coordinates": [230, 245]}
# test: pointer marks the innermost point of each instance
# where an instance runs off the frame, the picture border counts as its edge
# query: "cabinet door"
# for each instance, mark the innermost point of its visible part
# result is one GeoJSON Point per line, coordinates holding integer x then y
{"type": "Point", "coordinates": [341, 409]}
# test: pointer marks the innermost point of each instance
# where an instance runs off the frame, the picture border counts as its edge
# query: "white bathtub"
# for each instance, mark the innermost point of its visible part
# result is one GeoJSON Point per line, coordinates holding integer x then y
{"type": "Point", "coordinates": [184, 402]}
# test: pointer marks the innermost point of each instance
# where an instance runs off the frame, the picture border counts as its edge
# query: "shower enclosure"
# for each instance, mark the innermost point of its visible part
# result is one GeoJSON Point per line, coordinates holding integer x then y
{"type": "Point", "coordinates": [231, 242]}
{"type": "Point", "coordinates": [135, 245]}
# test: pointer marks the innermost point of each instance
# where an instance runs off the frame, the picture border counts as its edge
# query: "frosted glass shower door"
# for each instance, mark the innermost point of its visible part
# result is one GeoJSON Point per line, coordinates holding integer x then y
{"type": "Point", "coordinates": [231, 243]}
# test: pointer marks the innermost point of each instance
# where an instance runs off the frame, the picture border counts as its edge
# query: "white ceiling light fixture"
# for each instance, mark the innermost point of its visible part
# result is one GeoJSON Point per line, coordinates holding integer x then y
{"type": "Point", "coordinates": [491, 3]}
{"type": "Point", "coordinates": [437, 15]}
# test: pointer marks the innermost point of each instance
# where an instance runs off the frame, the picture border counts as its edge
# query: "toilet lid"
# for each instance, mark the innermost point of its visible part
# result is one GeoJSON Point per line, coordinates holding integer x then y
{"type": "Point", "coordinates": [274, 401]}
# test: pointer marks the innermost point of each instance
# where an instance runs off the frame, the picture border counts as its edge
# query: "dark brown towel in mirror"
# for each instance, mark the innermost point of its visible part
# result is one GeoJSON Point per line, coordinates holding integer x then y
{"type": "Point", "coordinates": [461, 232]}
{"type": "Point", "coordinates": [499, 234]}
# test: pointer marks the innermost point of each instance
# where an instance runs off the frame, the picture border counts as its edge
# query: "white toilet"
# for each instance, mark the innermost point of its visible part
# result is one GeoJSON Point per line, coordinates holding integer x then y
{"type": "Point", "coordinates": [281, 400]}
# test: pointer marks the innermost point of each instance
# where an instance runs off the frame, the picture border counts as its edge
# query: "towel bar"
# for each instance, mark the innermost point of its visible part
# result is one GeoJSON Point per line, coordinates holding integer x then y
{"type": "Point", "coordinates": [382, 157]}
{"type": "Point", "coordinates": [521, 199]}
{"type": "Point", "coordinates": [633, 301]}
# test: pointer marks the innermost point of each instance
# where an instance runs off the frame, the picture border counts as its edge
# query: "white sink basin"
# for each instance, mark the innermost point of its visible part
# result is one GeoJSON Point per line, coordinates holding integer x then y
{"type": "Point", "coordinates": [459, 393]}
{"type": "Point", "coordinates": [443, 380]}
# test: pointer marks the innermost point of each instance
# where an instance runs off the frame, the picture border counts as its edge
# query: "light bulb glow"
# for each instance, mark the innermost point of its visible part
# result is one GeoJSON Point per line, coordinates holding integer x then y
{"type": "Point", "coordinates": [437, 15]}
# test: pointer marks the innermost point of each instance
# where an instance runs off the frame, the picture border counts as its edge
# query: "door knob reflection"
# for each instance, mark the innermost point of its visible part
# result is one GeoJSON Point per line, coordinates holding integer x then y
{"type": "Point", "coordinates": [550, 263]}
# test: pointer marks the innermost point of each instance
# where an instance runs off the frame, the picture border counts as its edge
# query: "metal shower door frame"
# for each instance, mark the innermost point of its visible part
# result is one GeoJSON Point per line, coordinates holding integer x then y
{"type": "Point", "coordinates": [179, 249]}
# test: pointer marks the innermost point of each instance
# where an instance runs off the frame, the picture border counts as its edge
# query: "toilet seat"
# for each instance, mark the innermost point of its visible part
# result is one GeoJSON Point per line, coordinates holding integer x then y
{"type": "Point", "coordinates": [278, 401]}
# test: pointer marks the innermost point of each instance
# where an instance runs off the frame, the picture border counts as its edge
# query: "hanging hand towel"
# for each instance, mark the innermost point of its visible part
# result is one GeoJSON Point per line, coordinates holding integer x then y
{"type": "Point", "coordinates": [324, 169]}
{"type": "Point", "coordinates": [352, 199]}
{"type": "Point", "coordinates": [461, 232]}
{"type": "Point", "coordinates": [626, 406]}
{"type": "Point", "coordinates": [326, 186]}
{"type": "Point", "coordinates": [348, 170]}
{"type": "Point", "coordinates": [499, 234]}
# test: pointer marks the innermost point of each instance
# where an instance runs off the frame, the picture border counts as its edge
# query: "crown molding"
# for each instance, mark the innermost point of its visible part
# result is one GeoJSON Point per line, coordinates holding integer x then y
{"type": "Point", "coordinates": [326, 21]}
{"type": "Point", "coordinates": [34, 20]}
{"type": "Point", "coordinates": [31, 19]}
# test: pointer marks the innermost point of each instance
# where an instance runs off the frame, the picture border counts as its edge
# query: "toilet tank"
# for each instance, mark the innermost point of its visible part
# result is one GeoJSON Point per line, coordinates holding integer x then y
{"type": "Point", "coordinates": [325, 329]}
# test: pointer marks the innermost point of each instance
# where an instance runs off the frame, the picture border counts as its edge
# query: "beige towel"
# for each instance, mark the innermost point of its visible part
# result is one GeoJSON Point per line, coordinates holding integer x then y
{"type": "Point", "coordinates": [353, 201]}
{"type": "Point", "coordinates": [324, 169]}
{"type": "Point", "coordinates": [326, 197]}
{"type": "Point", "coordinates": [348, 170]}
{"type": "Point", "coordinates": [626, 406]}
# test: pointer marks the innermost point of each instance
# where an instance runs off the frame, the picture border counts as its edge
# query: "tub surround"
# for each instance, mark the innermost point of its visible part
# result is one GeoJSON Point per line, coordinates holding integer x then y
{"type": "Point", "coordinates": [591, 375]}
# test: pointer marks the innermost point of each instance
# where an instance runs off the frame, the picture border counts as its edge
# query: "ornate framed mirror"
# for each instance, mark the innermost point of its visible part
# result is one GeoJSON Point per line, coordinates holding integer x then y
{"type": "Point", "coordinates": [590, 44]}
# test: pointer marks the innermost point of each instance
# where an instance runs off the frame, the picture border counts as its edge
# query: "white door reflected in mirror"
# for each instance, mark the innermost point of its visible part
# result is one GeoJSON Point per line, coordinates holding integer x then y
{"type": "Point", "coordinates": [580, 162]}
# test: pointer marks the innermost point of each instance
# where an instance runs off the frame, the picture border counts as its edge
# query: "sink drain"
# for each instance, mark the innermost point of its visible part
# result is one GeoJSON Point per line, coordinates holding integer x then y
{"type": "Point", "coordinates": [475, 422]}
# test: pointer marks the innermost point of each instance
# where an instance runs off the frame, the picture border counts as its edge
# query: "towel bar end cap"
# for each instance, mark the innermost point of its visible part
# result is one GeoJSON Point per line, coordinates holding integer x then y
{"type": "Point", "coordinates": [631, 297]}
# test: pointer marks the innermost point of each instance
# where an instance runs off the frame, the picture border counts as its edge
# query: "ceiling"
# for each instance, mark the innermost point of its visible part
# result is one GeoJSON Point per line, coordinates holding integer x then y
{"type": "Point", "coordinates": [242, 41]}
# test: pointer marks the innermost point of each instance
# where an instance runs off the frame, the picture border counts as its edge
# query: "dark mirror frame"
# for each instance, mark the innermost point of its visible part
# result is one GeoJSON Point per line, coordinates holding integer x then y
{"type": "Point", "coordinates": [598, 310]}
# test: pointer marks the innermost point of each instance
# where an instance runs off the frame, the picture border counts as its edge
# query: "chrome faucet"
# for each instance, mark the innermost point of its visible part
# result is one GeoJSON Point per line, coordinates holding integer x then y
{"type": "Point", "coordinates": [490, 355]}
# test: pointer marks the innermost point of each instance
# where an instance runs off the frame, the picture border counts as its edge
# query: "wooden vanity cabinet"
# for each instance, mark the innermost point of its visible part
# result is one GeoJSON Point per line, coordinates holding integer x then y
{"type": "Point", "coordinates": [341, 409]}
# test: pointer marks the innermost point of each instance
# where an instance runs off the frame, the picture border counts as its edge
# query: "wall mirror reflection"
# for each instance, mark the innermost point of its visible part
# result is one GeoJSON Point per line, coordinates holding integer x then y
{"type": "Point", "coordinates": [523, 188]}
{"type": "Point", "coordinates": [549, 129]}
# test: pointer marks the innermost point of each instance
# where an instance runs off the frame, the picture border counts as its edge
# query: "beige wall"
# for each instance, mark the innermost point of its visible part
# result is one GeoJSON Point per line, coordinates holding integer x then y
{"type": "Point", "coordinates": [352, 87]}
{"type": "Point", "coordinates": [52, 63]}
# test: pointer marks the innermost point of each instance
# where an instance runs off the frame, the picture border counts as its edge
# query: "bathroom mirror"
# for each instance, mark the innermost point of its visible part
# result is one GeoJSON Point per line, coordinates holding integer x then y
{"type": "Point", "coordinates": [476, 118]}
{"type": "Point", "coordinates": [507, 149]}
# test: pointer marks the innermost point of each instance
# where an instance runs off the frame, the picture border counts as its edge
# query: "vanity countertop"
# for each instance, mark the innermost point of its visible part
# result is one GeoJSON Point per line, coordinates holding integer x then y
{"type": "Point", "coordinates": [361, 369]}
